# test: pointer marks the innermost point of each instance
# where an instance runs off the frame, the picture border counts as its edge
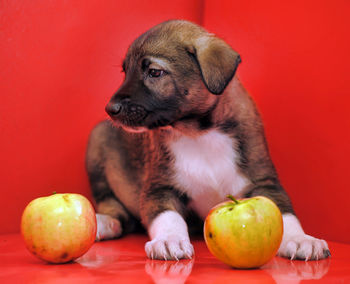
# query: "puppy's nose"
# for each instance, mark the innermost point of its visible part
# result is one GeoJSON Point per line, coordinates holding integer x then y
{"type": "Point", "coordinates": [113, 109]}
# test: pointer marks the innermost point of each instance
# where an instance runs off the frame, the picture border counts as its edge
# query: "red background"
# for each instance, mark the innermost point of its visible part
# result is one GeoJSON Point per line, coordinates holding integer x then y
{"type": "Point", "coordinates": [61, 61]}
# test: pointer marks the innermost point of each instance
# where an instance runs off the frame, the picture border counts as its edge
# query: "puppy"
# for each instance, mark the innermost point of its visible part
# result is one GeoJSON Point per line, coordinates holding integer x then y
{"type": "Point", "coordinates": [185, 134]}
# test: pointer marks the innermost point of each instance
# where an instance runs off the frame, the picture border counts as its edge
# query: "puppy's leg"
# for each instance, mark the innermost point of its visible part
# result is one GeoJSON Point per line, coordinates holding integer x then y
{"type": "Point", "coordinates": [162, 216]}
{"type": "Point", "coordinates": [295, 243]}
{"type": "Point", "coordinates": [112, 220]}
{"type": "Point", "coordinates": [111, 215]}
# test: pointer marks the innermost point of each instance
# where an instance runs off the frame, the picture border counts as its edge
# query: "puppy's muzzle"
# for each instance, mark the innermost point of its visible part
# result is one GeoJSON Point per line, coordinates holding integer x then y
{"type": "Point", "coordinates": [126, 112]}
{"type": "Point", "coordinates": [113, 109]}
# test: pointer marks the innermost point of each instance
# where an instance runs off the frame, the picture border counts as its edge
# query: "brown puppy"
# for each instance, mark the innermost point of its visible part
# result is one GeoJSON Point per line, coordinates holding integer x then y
{"type": "Point", "coordinates": [185, 134]}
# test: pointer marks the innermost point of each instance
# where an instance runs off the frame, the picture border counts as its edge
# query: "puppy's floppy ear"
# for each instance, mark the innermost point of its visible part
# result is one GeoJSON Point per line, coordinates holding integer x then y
{"type": "Point", "coordinates": [218, 62]}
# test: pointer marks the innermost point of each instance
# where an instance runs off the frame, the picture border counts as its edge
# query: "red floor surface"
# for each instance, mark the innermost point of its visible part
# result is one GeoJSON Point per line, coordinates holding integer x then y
{"type": "Point", "coordinates": [124, 261]}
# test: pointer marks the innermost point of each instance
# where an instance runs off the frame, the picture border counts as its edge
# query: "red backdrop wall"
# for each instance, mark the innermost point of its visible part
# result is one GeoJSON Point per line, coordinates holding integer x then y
{"type": "Point", "coordinates": [60, 63]}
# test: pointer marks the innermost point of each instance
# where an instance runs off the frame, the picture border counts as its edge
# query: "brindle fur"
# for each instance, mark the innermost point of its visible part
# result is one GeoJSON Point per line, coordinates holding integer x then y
{"type": "Point", "coordinates": [130, 172]}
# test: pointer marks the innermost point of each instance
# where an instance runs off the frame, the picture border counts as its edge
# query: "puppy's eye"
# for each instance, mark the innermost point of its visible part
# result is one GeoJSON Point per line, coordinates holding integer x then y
{"type": "Point", "coordinates": [155, 73]}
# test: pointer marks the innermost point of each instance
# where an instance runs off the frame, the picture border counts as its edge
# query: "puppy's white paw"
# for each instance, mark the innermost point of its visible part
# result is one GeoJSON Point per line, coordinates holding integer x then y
{"type": "Point", "coordinates": [107, 227]}
{"type": "Point", "coordinates": [297, 245]}
{"type": "Point", "coordinates": [171, 248]}
{"type": "Point", "coordinates": [304, 247]}
{"type": "Point", "coordinates": [169, 238]}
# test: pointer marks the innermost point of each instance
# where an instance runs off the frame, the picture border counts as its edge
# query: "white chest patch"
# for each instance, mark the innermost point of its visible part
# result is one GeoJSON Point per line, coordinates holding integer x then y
{"type": "Point", "coordinates": [206, 169]}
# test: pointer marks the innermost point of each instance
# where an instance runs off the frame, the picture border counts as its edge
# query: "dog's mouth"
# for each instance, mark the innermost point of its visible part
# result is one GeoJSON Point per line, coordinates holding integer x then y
{"type": "Point", "coordinates": [127, 115]}
{"type": "Point", "coordinates": [136, 118]}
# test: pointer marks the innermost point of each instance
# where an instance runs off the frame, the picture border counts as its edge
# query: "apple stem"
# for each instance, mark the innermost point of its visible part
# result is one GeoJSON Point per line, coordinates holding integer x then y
{"type": "Point", "coordinates": [232, 198]}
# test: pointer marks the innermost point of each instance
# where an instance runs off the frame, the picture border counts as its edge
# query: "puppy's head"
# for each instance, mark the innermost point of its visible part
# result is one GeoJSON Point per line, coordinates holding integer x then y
{"type": "Point", "coordinates": [173, 73]}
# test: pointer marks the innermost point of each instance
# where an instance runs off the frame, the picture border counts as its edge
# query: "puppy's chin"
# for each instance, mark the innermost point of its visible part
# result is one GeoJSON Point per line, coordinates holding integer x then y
{"type": "Point", "coordinates": [130, 129]}
{"type": "Point", "coordinates": [134, 129]}
{"type": "Point", "coordinates": [139, 129]}
{"type": "Point", "coordinates": [142, 129]}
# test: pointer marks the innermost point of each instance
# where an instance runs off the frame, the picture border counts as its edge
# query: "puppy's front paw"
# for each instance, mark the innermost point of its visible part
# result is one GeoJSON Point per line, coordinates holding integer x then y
{"type": "Point", "coordinates": [169, 237]}
{"type": "Point", "coordinates": [170, 248]}
{"type": "Point", "coordinates": [304, 247]}
{"type": "Point", "coordinates": [107, 227]}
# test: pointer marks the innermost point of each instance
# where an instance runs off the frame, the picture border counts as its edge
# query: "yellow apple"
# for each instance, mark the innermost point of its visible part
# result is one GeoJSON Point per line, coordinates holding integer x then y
{"type": "Point", "coordinates": [244, 233]}
{"type": "Point", "coordinates": [59, 228]}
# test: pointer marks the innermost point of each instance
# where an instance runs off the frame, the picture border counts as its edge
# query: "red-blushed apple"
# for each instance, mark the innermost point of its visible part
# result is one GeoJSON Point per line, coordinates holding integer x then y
{"type": "Point", "coordinates": [59, 228]}
{"type": "Point", "coordinates": [244, 233]}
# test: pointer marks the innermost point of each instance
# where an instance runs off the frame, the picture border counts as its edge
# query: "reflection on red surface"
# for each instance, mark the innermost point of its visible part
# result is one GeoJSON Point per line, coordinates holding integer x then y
{"type": "Point", "coordinates": [283, 270]}
{"type": "Point", "coordinates": [169, 272]}
{"type": "Point", "coordinates": [124, 261]}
